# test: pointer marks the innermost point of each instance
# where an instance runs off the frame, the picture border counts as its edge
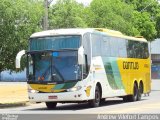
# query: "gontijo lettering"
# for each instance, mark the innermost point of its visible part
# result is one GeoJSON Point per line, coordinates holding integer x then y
{"type": "Point", "coordinates": [130, 65]}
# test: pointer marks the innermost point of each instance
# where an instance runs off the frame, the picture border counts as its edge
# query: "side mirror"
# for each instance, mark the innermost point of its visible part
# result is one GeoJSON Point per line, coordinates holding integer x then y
{"type": "Point", "coordinates": [81, 55]}
{"type": "Point", "coordinates": [18, 58]}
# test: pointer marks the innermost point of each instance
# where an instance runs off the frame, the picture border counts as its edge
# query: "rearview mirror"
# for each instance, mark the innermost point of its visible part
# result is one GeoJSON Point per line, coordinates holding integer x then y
{"type": "Point", "coordinates": [18, 58]}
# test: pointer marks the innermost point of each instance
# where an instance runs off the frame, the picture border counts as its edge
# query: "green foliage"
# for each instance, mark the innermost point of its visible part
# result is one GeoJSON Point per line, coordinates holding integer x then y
{"type": "Point", "coordinates": [158, 24]}
{"type": "Point", "coordinates": [149, 10]}
{"type": "Point", "coordinates": [18, 20]}
{"type": "Point", "coordinates": [145, 25]}
{"type": "Point", "coordinates": [66, 14]}
{"type": "Point", "coordinates": [111, 14]}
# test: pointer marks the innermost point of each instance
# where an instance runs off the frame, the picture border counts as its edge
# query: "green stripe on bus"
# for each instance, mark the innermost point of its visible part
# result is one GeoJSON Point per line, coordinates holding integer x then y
{"type": "Point", "coordinates": [64, 86]}
{"type": "Point", "coordinates": [112, 72]}
{"type": "Point", "coordinates": [116, 73]}
{"type": "Point", "coordinates": [69, 85]}
{"type": "Point", "coordinates": [58, 86]}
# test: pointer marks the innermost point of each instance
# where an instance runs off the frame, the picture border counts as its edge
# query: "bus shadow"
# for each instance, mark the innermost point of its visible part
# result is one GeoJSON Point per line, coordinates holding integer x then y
{"type": "Point", "coordinates": [82, 106]}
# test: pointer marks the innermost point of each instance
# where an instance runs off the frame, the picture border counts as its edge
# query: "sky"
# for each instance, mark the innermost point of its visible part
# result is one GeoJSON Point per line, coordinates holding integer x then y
{"type": "Point", "coordinates": [85, 2]}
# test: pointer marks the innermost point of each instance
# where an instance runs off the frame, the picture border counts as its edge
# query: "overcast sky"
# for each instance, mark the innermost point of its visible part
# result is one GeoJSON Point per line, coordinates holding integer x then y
{"type": "Point", "coordinates": [85, 2]}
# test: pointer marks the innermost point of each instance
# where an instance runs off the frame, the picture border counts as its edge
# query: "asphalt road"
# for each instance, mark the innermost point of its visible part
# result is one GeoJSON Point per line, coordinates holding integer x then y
{"type": "Point", "coordinates": [148, 104]}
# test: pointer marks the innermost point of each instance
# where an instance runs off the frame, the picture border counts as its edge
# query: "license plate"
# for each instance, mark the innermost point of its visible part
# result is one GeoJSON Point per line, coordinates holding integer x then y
{"type": "Point", "coordinates": [52, 97]}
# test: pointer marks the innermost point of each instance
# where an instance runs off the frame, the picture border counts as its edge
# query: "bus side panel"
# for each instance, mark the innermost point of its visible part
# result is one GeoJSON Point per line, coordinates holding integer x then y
{"type": "Point", "coordinates": [106, 72]}
{"type": "Point", "coordinates": [132, 70]}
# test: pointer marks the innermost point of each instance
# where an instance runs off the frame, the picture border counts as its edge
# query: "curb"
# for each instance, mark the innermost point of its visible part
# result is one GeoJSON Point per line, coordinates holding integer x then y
{"type": "Point", "coordinates": [7, 105]}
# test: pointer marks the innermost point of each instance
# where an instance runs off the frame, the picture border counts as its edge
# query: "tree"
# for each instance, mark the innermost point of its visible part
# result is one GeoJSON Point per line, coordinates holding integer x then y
{"type": "Point", "coordinates": [150, 11]}
{"type": "Point", "coordinates": [18, 20]}
{"type": "Point", "coordinates": [113, 14]}
{"type": "Point", "coordinates": [145, 25]}
{"type": "Point", "coordinates": [66, 14]}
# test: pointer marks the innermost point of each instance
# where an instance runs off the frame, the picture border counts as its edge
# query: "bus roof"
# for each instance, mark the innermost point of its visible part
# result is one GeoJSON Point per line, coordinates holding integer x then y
{"type": "Point", "coordinates": [81, 31]}
{"type": "Point", "coordinates": [120, 35]}
{"type": "Point", "coordinates": [70, 31]}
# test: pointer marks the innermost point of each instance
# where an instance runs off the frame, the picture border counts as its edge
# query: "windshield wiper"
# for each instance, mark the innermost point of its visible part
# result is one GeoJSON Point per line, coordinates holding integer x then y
{"type": "Point", "coordinates": [68, 49]}
{"type": "Point", "coordinates": [57, 71]}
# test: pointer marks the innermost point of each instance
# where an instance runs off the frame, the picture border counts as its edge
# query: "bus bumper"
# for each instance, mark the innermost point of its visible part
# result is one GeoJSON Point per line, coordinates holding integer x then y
{"type": "Point", "coordinates": [59, 97]}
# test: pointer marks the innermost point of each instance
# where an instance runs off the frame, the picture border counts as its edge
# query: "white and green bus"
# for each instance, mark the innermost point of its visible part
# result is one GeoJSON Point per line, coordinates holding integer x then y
{"type": "Point", "coordinates": [86, 65]}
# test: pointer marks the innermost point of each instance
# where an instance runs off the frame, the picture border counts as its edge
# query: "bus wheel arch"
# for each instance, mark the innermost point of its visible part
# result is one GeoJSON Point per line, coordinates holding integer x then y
{"type": "Point", "coordinates": [134, 96]}
{"type": "Point", "coordinates": [95, 102]}
{"type": "Point", "coordinates": [100, 88]}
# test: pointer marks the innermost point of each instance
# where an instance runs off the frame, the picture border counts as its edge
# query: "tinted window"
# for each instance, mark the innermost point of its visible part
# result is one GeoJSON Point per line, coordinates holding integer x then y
{"type": "Point", "coordinates": [114, 46]}
{"type": "Point", "coordinates": [145, 50]}
{"type": "Point", "coordinates": [55, 43]}
{"type": "Point", "coordinates": [136, 49]}
{"type": "Point", "coordinates": [122, 50]}
{"type": "Point", "coordinates": [131, 49]}
{"type": "Point", "coordinates": [96, 45]}
{"type": "Point", "coordinates": [105, 46]}
{"type": "Point", "coordinates": [118, 47]}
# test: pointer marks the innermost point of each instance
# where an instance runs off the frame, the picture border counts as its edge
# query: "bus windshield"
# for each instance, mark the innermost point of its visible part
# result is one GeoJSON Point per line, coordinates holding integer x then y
{"type": "Point", "coordinates": [56, 66]}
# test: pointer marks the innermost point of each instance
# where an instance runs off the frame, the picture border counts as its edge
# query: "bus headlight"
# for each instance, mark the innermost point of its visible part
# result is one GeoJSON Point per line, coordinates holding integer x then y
{"type": "Point", "coordinates": [30, 90]}
{"type": "Point", "coordinates": [33, 91]}
{"type": "Point", "coordinates": [74, 89]}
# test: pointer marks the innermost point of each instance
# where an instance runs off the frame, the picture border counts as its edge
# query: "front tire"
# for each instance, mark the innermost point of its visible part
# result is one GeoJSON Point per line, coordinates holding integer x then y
{"type": "Point", "coordinates": [96, 101]}
{"type": "Point", "coordinates": [102, 101]}
{"type": "Point", "coordinates": [51, 105]}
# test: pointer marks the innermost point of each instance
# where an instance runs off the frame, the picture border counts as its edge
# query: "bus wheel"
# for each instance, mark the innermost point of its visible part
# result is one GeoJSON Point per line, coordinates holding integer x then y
{"type": "Point", "coordinates": [140, 91]}
{"type": "Point", "coordinates": [96, 101]}
{"type": "Point", "coordinates": [102, 101]}
{"type": "Point", "coordinates": [51, 105]}
{"type": "Point", "coordinates": [134, 97]}
{"type": "Point", "coordinates": [125, 99]}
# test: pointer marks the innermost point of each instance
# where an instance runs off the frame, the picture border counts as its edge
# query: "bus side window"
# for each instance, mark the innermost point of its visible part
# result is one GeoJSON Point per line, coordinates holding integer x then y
{"type": "Point", "coordinates": [146, 52]}
{"type": "Point", "coordinates": [122, 48]}
{"type": "Point", "coordinates": [114, 45]}
{"type": "Point", "coordinates": [105, 46]}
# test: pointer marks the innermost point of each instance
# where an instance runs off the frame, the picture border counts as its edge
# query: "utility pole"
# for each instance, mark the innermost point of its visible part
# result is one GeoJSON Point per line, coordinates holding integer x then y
{"type": "Point", "coordinates": [45, 20]}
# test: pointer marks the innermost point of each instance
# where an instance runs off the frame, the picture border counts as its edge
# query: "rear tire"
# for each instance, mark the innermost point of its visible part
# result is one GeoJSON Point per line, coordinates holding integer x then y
{"type": "Point", "coordinates": [140, 91]}
{"type": "Point", "coordinates": [134, 97]}
{"type": "Point", "coordinates": [51, 105]}
{"type": "Point", "coordinates": [125, 99]}
{"type": "Point", "coordinates": [96, 101]}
